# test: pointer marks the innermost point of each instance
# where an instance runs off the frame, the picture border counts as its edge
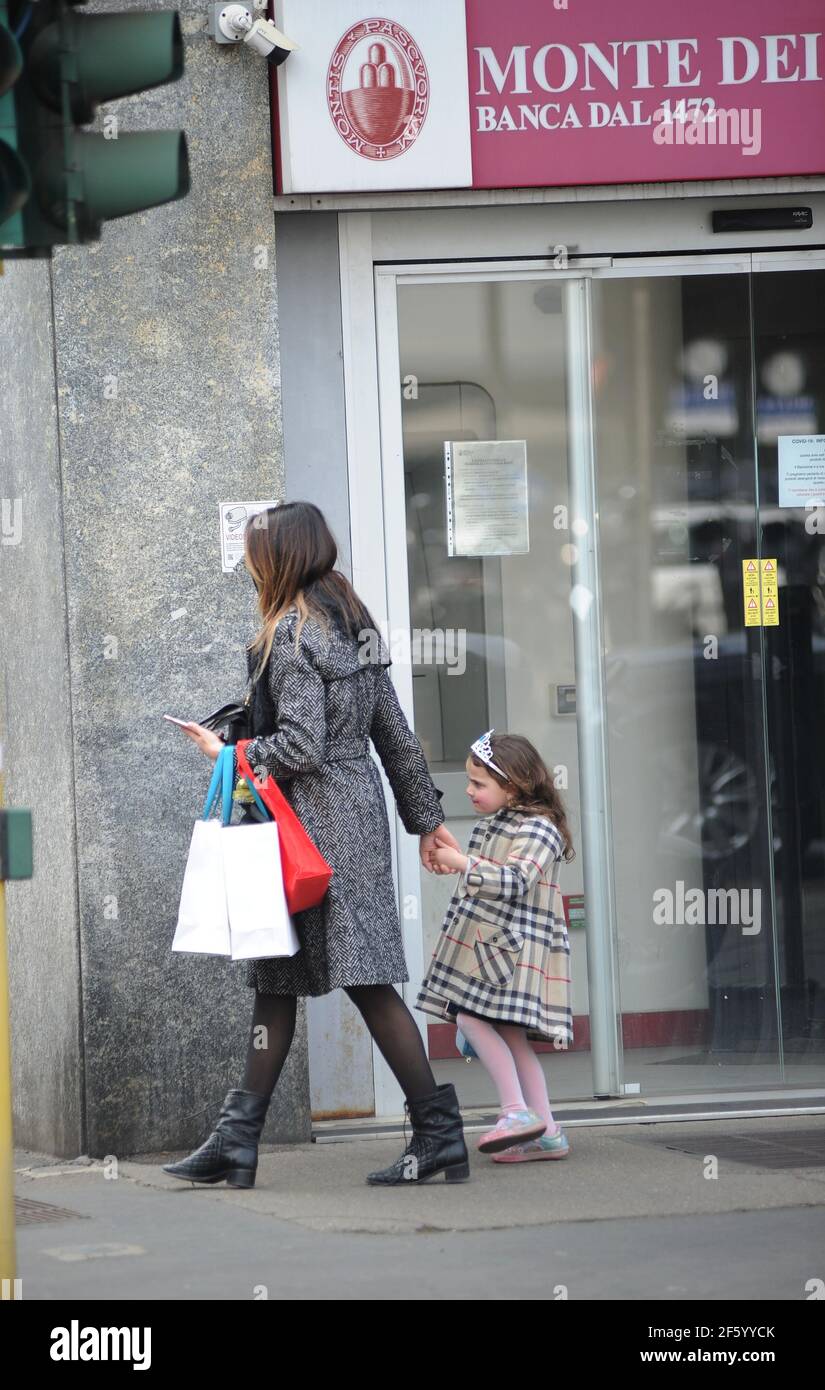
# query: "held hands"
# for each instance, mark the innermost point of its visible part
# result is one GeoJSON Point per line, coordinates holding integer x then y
{"type": "Point", "coordinates": [446, 860]}
{"type": "Point", "coordinates": [441, 853]}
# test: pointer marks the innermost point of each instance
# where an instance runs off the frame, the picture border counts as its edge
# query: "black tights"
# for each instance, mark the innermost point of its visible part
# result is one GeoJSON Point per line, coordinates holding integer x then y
{"type": "Point", "coordinates": [383, 1010]}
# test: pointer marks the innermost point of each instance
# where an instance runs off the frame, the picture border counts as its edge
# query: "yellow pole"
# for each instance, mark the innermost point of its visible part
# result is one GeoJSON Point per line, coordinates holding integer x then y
{"type": "Point", "coordinates": [7, 1249]}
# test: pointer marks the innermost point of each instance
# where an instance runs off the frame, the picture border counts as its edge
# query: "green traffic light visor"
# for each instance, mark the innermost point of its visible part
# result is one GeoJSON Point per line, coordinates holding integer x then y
{"type": "Point", "coordinates": [137, 171]}
{"type": "Point", "coordinates": [114, 55]}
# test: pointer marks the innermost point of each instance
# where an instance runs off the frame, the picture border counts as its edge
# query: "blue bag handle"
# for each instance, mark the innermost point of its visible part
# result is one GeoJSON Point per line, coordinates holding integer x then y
{"type": "Point", "coordinates": [223, 779]}
{"type": "Point", "coordinates": [223, 783]}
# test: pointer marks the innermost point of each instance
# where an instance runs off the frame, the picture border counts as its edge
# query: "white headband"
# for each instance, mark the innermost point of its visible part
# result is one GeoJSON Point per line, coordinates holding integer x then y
{"type": "Point", "coordinates": [482, 750]}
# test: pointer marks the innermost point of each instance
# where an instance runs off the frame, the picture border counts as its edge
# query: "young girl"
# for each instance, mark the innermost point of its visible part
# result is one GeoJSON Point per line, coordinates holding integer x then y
{"type": "Point", "coordinates": [501, 965]}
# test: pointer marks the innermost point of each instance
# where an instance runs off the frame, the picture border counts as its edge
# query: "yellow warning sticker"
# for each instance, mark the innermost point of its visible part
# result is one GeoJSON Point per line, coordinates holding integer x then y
{"type": "Point", "coordinates": [750, 585]}
{"type": "Point", "coordinates": [760, 593]}
{"type": "Point", "coordinates": [770, 595]}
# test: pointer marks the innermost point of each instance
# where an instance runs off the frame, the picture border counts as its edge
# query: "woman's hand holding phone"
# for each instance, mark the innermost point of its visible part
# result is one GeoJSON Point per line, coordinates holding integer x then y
{"type": "Point", "coordinates": [206, 739]}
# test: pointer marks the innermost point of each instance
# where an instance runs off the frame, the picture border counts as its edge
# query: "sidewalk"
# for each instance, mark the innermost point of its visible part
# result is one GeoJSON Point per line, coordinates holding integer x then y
{"type": "Point", "coordinates": [628, 1215]}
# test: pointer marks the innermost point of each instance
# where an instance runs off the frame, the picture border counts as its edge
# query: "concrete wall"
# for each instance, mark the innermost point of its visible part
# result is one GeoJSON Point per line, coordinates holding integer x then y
{"type": "Point", "coordinates": [162, 399]}
{"type": "Point", "coordinates": [36, 723]}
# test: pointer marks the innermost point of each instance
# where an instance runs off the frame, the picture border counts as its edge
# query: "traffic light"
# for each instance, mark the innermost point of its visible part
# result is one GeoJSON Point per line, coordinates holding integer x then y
{"type": "Point", "coordinates": [14, 179]}
{"type": "Point", "coordinates": [58, 183]}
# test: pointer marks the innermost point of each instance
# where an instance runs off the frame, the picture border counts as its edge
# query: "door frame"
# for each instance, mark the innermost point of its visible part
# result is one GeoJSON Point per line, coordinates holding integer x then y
{"type": "Point", "coordinates": [378, 531]}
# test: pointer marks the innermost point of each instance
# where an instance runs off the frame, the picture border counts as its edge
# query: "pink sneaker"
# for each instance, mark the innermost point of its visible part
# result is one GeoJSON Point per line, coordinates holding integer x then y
{"type": "Point", "coordinates": [512, 1127]}
{"type": "Point", "coordinates": [548, 1146]}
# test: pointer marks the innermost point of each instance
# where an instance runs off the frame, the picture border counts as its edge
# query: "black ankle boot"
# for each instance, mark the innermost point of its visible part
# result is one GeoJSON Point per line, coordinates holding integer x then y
{"type": "Point", "coordinates": [231, 1151]}
{"type": "Point", "coordinates": [437, 1144]}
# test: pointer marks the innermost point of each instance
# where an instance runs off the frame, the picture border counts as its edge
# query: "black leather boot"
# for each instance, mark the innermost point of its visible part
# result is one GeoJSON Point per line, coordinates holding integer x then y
{"type": "Point", "coordinates": [231, 1151]}
{"type": "Point", "coordinates": [437, 1144]}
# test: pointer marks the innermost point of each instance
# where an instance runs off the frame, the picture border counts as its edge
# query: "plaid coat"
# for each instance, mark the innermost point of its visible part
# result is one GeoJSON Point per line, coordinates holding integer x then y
{"type": "Point", "coordinates": [503, 952]}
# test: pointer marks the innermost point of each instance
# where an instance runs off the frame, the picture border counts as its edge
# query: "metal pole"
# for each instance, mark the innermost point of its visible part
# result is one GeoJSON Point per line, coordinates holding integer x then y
{"type": "Point", "coordinates": [591, 719]}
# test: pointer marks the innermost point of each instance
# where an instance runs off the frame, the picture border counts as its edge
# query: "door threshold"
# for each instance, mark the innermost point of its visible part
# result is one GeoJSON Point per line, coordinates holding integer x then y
{"type": "Point", "coordinates": [584, 1114]}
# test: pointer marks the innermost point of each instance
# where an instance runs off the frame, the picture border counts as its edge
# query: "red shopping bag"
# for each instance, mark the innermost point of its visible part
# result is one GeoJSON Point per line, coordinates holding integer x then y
{"type": "Point", "coordinates": [306, 871]}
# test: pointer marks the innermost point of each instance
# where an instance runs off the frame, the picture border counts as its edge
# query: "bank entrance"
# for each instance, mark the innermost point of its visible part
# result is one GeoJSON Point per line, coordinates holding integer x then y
{"type": "Point", "coordinates": [597, 519]}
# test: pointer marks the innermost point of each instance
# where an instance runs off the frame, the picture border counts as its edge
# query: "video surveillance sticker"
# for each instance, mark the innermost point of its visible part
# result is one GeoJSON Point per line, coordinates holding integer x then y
{"type": "Point", "coordinates": [233, 519]}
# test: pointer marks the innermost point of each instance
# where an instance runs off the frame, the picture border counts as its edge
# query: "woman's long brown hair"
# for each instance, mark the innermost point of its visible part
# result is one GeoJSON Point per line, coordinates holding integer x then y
{"type": "Point", "coordinates": [532, 781]}
{"type": "Point", "coordinates": [291, 554]}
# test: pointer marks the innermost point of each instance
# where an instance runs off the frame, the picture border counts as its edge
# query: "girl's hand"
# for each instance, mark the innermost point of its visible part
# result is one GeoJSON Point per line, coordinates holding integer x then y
{"type": "Point", "coordinates": [446, 860]}
{"type": "Point", "coordinates": [429, 842]}
{"type": "Point", "coordinates": [206, 739]}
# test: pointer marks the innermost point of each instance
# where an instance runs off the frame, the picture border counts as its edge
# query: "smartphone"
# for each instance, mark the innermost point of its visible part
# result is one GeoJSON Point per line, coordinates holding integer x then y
{"type": "Point", "coordinates": [176, 721]}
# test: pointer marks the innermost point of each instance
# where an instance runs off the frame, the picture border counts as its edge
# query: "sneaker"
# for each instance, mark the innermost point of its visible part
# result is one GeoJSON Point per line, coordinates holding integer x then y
{"type": "Point", "coordinates": [511, 1128]}
{"type": "Point", "coordinates": [548, 1146]}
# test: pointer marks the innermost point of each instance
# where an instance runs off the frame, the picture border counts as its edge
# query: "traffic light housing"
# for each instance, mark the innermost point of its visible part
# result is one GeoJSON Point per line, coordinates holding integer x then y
{"type": "Point", "coordinates": [58, 183]}
{"type": "Point", "coordinates": [14, 179]}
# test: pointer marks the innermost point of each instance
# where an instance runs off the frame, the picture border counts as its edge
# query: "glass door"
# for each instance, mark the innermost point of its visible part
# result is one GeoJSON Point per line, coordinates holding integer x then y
{"type": "Point", "coordinates": [602, 612]}
{"type": "Point", "coordinates": [482, 362]}
{"type": "Point", "coordinates": [789, 374]}
{"type": "Point", "coordinates": [690, 768]}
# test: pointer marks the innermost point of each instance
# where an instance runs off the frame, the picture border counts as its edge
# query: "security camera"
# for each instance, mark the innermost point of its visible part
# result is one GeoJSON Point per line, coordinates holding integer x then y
{"type": "Point", "coordinates": [234, 24]}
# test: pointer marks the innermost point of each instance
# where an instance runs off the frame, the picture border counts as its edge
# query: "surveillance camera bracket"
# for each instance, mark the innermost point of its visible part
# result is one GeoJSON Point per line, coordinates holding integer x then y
{"type": "Point", "coordinates": [228, 23]}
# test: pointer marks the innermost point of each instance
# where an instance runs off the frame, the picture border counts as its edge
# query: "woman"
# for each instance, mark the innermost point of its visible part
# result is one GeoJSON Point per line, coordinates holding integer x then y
{"type": "Point", "coordinates": [320, 695]}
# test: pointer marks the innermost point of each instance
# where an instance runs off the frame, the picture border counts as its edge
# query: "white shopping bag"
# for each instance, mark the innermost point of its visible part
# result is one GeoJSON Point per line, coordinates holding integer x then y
{"type": "Point", "coordinates": [203, 919]}
{"type": "Point", "coordinates": [259, 920]}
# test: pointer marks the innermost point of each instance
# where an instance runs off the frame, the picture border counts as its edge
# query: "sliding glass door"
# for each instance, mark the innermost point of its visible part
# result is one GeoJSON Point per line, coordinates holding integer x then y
{"type": "Point", "coordinates": [684, 676]}
{"type": "Point", "coordinates": [586, 538]}
{"type": "Point", "coordinates": [789, 423]}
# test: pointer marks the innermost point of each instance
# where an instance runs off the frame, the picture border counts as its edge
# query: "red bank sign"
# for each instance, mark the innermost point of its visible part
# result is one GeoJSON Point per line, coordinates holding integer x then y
{"type": "Point", "coordinates": [515, 93]}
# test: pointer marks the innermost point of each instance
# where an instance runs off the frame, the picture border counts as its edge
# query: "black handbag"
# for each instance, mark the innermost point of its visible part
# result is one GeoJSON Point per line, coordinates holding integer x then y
{"type": "Point", "coordinates": [237, 720]}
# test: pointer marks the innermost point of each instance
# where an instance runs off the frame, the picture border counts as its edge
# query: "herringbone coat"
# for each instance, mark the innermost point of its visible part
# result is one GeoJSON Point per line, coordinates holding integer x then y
{"type": "Point", "coordinates": [503, 952]}
{"type": "Point", "coordinates": [329, 701]}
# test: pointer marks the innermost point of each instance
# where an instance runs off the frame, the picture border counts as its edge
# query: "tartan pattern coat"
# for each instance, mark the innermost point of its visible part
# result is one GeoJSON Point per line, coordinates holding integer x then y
{"type": "Point", "coordinates": [503, 952]}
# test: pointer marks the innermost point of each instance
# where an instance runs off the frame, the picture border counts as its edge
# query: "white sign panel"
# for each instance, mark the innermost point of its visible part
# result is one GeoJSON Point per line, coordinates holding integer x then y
{"type": "Point", "coordinates": [486, 482]}
{"type": "Point", "coordinates": [801, 469]}
{"type": "Point", "coordinates": [361, 92]}
{"type": "Point", "coordinates": [234, 516]}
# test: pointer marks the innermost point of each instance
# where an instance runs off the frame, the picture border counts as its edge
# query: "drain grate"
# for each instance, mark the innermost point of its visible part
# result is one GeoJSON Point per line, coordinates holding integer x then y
{"type": "Point", "coordinates": [27, 1212]}
{"type": "Point", "coordinates": [800, 1148]}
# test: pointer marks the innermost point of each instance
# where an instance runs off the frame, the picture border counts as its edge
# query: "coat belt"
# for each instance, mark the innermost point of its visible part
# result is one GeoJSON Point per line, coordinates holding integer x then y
{"type": "Point", "coordinates": [335, 753]}
{"type": "Point", "coordinates": [340, 752]}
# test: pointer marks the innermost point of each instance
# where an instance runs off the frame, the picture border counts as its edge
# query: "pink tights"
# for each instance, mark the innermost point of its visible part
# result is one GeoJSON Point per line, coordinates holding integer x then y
{"type": "Point", "coordinates": [503, 1049]}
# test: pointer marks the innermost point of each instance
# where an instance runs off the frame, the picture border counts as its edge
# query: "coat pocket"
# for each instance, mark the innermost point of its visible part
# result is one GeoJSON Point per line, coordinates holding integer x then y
{"type": "Point", "coordinates": [496, 955]}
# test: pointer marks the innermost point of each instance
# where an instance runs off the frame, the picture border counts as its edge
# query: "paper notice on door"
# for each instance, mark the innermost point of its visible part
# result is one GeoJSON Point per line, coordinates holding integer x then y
{"type": "Point", "coordinates": [486, 485]}
{"type": "Point", "coordinates": [801, 470]}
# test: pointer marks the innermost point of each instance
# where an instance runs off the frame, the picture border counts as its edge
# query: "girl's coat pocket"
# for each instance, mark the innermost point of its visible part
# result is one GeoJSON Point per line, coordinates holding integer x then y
{"type": "Point", "coordinates": [496, 955]}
